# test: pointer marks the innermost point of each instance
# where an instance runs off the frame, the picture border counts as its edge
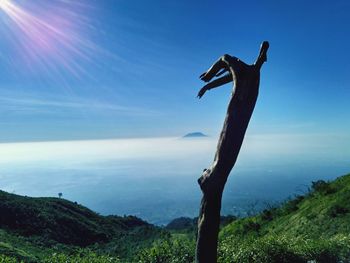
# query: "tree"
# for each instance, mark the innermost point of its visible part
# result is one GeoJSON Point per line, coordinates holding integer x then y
{"type": "Point", "coordinates": [246, 80]}
{"type": "Point", "coordinates": [60, 195]}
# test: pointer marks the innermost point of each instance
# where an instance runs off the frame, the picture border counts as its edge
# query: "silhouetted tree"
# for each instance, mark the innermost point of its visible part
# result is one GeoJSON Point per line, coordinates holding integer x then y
{"type": "Point", "coordinates": [212, 182]}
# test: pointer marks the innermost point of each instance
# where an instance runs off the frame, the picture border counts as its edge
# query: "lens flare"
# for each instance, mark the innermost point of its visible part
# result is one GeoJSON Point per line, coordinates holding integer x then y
{"type": "Point", "coordinates": [47, 35]}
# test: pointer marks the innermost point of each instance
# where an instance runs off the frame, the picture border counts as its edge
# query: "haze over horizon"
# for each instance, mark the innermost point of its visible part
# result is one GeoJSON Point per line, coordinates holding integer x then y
{"type": "Point", "coordinates": [155, 178]}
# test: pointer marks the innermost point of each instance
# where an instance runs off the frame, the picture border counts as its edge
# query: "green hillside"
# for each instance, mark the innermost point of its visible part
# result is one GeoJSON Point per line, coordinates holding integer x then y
{"type": "Point", "coordinates": [310, 228]}
{"type": "Point", "coordinates": [324, 212]}
{"type": "Point", "coordinates": [32, 228]}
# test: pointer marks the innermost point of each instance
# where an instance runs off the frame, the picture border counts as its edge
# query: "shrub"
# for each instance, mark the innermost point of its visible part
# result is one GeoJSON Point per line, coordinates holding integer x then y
{"type": "Point", "coordinates": [332, 250]}
{"type": "Point", "coordinates": [337, 210]}
{"type": "Point", "coordinates": [292, 205]}
{"type": "Point", "coordinates": [174, 251]}
{"type": "Point", "coordinates": [267, 215]}
{"type": "Point", "coordinates": [82, 257]}
{"type": "Point", "coordinates": [250, 225]}
{"type": "Point", "coordinates": [6, 259]}
{"type": "Point", "coordinates": [287, 249]}
{"type": "Point", "coordinates": [261, 250]}
{"type": "Point", "coordinates": [322, 187]}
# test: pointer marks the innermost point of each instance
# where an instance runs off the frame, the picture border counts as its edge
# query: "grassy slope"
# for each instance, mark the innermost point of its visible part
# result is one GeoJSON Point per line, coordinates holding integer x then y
{"type": "Point", "coordinates": [315, 226]}
{"type": "Point", "coordinates": [323, 212]}
{"type": "Point", "coordinates": [311, 227]}
{"type": "Point", "coordinates": [60, 220]}
{"type": "Point", "coordinates": [35, 227]}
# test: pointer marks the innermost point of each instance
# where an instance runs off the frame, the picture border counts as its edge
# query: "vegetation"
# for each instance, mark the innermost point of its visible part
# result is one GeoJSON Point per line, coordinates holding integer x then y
{"type": "Point", "coordinates": [176, 250]}
{"type": "Point", "coordinates": [189, 225]}
{"type": "Point", "coordinates": [310, 228]}
{"type": "Point", "coordinates": [35, 228]}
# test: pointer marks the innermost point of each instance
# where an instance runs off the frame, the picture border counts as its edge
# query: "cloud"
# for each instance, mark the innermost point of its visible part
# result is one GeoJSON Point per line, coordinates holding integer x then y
{"type": "Point", "coordinates": [101, 150]}
{"type": "Point", "coordinates": [27, 105]}
{"type": "Point", "coordinates": [256, 148]}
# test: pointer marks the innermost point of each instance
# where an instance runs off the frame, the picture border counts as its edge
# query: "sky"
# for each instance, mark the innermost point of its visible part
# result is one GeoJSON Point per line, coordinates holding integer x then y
{"type": "Point", "coordinates": [79, 70]}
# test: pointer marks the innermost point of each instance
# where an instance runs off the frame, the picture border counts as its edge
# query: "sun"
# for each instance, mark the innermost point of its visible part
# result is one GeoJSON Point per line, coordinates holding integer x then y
{"type": "Point", "coordinates": [4, 3]}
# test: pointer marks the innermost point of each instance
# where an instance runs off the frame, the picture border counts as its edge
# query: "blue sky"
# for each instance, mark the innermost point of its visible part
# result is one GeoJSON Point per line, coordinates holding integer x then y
{"type": "Point", "coordinates": [139, 73]}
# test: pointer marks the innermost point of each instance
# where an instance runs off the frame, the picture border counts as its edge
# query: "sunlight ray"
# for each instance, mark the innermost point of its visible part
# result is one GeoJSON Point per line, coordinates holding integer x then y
{"type": "Point", "coordinates": [53, 42]}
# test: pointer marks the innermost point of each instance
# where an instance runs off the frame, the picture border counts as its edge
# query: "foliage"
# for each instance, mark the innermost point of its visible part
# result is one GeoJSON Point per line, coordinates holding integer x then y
{"type": "Point", "coordinates": [282, 248]}
{"type": "Point", "coordinates": [310, 228]}
{"type": "Point", "coordinates": [176, 250]}
{"type": "Point", "coordinates": [189, 225]}
{"type": "Point", "coordinates": [6, 259]}
{"type": "Point", "coordinates": [60, 220]}
{"type": "Point", "coordinates": [182, 223]}
{"type": "Point", "coordinates": [34, 228]}
{"type": "Point", "coordinates": [81, 257]}
{"type": "Point", "coordinates": [7, 249]}
{"type": "Point", "coordinates": [323, 187]}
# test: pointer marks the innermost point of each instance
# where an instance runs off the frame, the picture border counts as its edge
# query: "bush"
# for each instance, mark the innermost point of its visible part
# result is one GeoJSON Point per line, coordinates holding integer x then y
{"type": "Point", "coordinates": [82, 257]}
{"type": "Point", "coordinates": [322, 187]}
{"type": "Point", "coordinates": [8, 250]}
{"type": "Point", "coordinates": [267, 215]}
{"type": "Point", "coordinates": [5, 259]}
{"type": "Point", "coordinates": [292, 205]}
{"type": "Point", "coordinates": [335, 249]}
{"type": "Point", "coordinates": [285, 249]}
{"type": "Point", "coordinates": [174, 251]}
{"type": "Point", "coordinates": [337, 210]}
{"type": "Point", "coordinates": [272, 250]}
{"type": "Point", "coordinates": [250, 225]}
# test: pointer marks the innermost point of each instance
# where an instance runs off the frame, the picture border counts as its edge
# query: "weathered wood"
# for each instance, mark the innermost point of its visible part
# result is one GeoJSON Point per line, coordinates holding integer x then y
{"type": "Point", "coordinates": [212, 182]}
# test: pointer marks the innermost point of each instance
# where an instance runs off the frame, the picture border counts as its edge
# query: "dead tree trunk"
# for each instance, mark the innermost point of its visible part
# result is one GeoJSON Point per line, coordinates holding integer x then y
{"type": "Point", "coordinates": [212, 182]}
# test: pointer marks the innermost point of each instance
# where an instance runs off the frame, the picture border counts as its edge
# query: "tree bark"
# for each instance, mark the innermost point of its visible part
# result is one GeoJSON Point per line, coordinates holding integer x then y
{"type": "Point", "coordinates": [212, 182]}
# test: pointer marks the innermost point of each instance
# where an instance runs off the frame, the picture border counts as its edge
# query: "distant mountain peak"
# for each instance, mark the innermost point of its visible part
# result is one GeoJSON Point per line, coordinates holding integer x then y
{"type": "Point", "coordinates": [194, 135]}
